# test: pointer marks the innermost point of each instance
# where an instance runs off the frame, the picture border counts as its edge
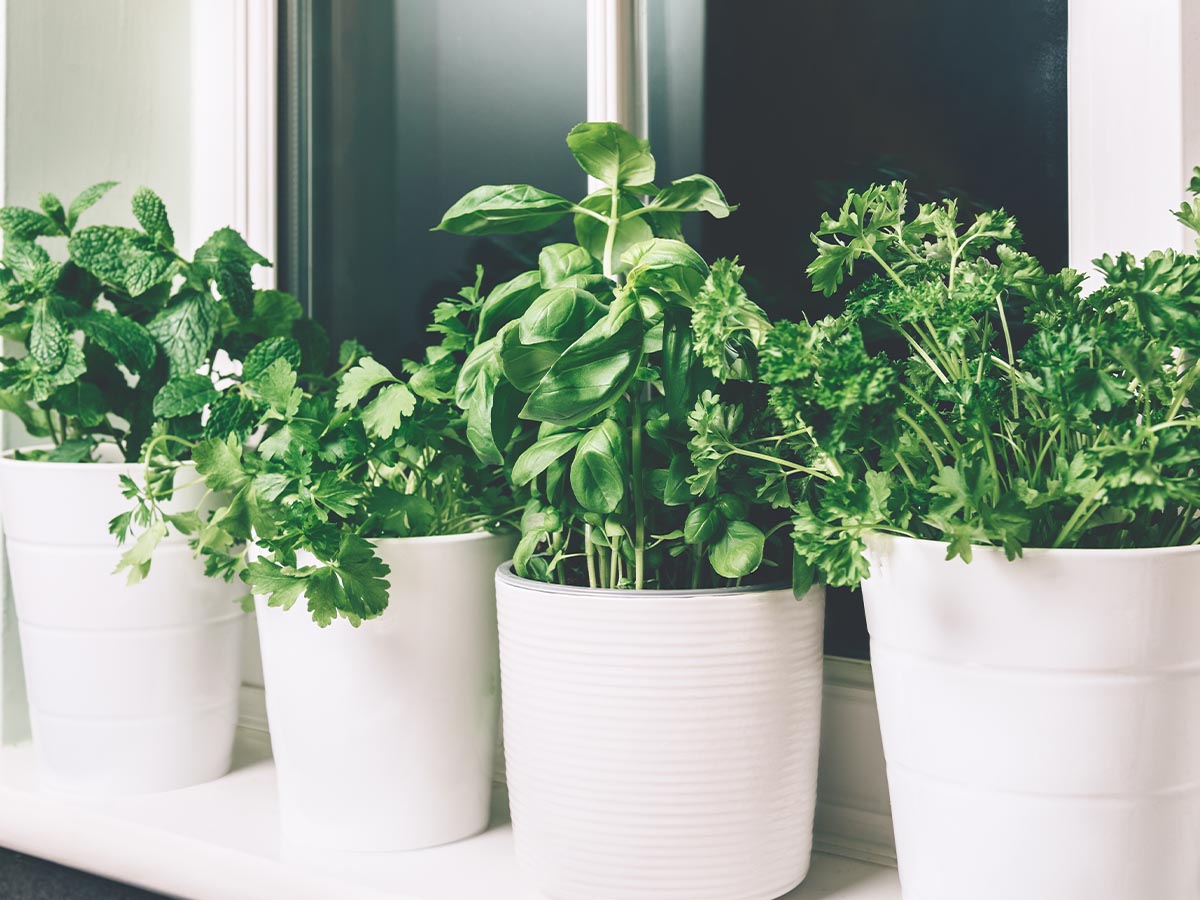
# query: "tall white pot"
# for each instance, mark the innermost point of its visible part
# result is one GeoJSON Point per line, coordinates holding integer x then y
{"type": "Point", "coordinates": [661, 745]}
{"type": "Point", "coordinates": [1041, 720]}
{"type": "Point", "coordinates": [132, 689]}
{"type": "Point", "coordinates": [384, 735]}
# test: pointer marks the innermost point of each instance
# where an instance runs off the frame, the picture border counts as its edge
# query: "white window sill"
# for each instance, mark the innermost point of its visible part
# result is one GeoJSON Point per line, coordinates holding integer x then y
{"type": "Point", "coordinates": [219, 841]}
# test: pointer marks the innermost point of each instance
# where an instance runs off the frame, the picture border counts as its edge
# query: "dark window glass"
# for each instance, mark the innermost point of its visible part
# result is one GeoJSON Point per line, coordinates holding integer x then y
{"type": "Point", "coordinates": [396, 109]}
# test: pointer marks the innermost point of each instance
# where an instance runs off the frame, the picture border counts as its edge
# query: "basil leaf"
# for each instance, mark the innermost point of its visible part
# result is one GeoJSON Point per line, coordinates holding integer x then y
{"type": "Point", "coordinates": [598, 470]}
{"type": "Point", "coordinates": [609, 153]}
{"type": "Point", "coordinates": [738, 551]}
{"type": "Point", "coordinates": [504, 209]}
{"type": "Point", "coordinates": [696, 193]}
{"type": "Point", "coordinates": [508, 302]}
{"type": "Point", "coordinates": [560, 314]}
{"type": "Point", "coordinates": [537, 459]}
{"type": "Point", "coordinates": [594, 371]}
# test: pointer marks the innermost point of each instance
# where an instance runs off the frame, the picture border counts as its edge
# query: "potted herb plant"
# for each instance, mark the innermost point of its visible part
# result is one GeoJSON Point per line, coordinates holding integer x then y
{"type": "Point", "coordinates": [132, 687]}
{"type": "Point", "coordinates": [1008, 465]}
{"type": "Point", "coordinates": [661, 687]}
{"type": "Point", "coordinates": [358, 494]}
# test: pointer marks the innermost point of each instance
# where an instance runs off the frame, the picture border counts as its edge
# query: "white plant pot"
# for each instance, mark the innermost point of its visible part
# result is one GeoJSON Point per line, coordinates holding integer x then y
{"type": "Point", "coordinates": [132, 689]}
{"type": "Point", "coordinates": [661, 745]}
{"type": "Point", "coordinates": [1041, 720]}
{"type": "Point", "coordinates": [384, 734]}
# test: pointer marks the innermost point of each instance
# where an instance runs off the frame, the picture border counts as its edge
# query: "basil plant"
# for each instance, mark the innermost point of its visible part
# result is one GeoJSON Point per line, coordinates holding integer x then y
{"type": "Point", "coordinates": [631, 355]}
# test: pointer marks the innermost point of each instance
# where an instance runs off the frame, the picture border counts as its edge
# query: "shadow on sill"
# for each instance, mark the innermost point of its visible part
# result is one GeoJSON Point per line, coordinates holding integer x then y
{"type": "Point", "coordinates": [30, 878]}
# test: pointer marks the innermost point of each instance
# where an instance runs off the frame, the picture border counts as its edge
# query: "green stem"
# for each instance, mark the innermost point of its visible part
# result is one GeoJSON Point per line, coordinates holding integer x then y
{"type": "Point", "coordinates": [783, 463]}
{"type": "Point", "coordinates": [611, 237]}
{"type": "Point", "coordinates": [1012, 360]}
{"type": "Point", "coordinates": [590, 550]}
{"type": "Point", "coordinates": [1081, 514]}
{"type": "Point", "coordinates": [639, 500]}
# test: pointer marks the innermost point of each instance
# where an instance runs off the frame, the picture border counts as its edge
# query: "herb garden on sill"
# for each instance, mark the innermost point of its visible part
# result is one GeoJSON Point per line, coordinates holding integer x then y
{"type": "Point", "coordinates": [613, 489]}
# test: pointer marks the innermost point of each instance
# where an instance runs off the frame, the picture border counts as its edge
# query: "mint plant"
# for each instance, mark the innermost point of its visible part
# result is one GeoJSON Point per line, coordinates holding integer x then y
{"type": "Point", "coordinates": [624, 347]}
{"type": "Point", "coordinates": [123, 332]}
{"type": "Point", "coordinates": [306, 470]}
{"type": "Point", "coordinates": [967, 395]}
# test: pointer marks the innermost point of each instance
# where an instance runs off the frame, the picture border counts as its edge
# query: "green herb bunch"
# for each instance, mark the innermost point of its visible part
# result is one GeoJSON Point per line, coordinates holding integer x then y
{"type": "Point", "coordinates": [124, 332]}
{"type": "Point", "coordinates": [624, 346]}
{"type": "Point", "coordinates": [967, 395]}
{"type": "Point", "coordinates": [305, 470]}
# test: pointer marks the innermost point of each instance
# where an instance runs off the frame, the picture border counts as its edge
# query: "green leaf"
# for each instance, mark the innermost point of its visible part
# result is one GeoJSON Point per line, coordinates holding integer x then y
{"type": "Point", "coordinates": [594, 371]}
{"type": "Point", "coordinates": [504, 209]}
{"type": "Point", "coordinates": [672, 264]}
{"type": "Point", "coordinates": [264, 353]}
{"type": "Point", "coordinates": [48, 337]}
{"type": "Point", "coordinates": [281, 586]}
{"type": "Point", "coordinates": [525, 365]}
{"type": "Point", "coordinates": [539, 456]}
{"type": "Point", "coordinates": [83, 402]}
{"type": "Point", "coordinates": [609, 153]}
{"type": "Point", "coordinates": [738, 551]}
{"type": "Point", "coordinates": [363, 576]}
{"type": "Point", "coordinates": [475, 394]}
{"type": "Point", "coordinates": [53, 208]}
{"type": "Point", "coordinates": [151, 214]}
{"type": "Point", "coordinates": [507, 302]}
{"type": "Point", "coordinates": [274, 315]}
{"type": "Point", "coordinates": [185, 332]}
{"type": "Point", "coordinates": [384, 414]}
{"type": "Point", "coordinates": [360, 380]}
{"type": "Point", "coordinates": [184, 396]}
{"type": "Point", "coordinates": [696, 193]}
{"type": "Point", "coordinates": [276, 386]}
{"type": "Point", "coordinates": [86, 200]}
{"type": "Point", "coordinates": [227, 259]}
{"type": "Point", "coordinates": [701, 524]}
{"type": "Point", "coordinates": [122, 257]}
{"type": "Point", "coordinates": [26, 258]}
{"type": "Point", "coordinates": [567, 265]}
{"type": "Point", "coordinates": [128, 342]}
{"type": "Point", "coordinates": [561, 315]}
{"type": "Point", "coordinates": [137, 558]}
{"type": "Point", "coordinates": [220, 462]}
{"type": "Point", "coordinates": [598, 470]}
{"type": "Point", "coordinates": [18, 222]}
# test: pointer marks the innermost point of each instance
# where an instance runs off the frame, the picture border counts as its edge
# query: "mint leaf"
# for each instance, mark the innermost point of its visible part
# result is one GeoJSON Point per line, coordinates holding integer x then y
{"type": "Point", "coordinates": [86, 200]}
{"type": "Point", "coordinates": [263, 354]}
{"type": "Point", "coordinates": [128, 342]}
{"type": "Point", "coordinates": [53, 208]}
{"type": "Point", "coordinates": [227, 259]}
{"type": "Point", "coordinates": [122, 257]}
{"type": "Point", "coordinates": [185, 332]}
{"type": "Point", "coordinates": [151, 214]}
{"type": "Point", "coordinates": [18, 222]}
{"type": "Point", "coordinates": [48, 337]}
{"type": "Point", "coordinates": [184, 396]}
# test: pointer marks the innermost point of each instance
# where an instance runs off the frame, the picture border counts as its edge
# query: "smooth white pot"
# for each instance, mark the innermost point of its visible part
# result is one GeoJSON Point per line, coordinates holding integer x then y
{"type": "Point", "coordinates": [661, 745]}
{"type": "Point", "coordinates": [132, 689]}
{"type": "Point", "coordinates": [384, 734]}
{"type": "Point", "coordinates": [1041, 720]}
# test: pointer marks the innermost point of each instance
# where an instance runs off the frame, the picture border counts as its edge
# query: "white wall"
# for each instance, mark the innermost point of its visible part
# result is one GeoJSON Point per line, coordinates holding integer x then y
{"type": "Point", "coordinates": [99, 90]}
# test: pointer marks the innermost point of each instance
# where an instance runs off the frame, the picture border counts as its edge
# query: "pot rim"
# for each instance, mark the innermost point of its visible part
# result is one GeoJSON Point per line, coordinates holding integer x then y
{"type": "Point", "coordinates": [506, 575]}
{"type": "Point", "coordinates": [1040, 552]}
{"type": "Point", "coordinates": [462, 536]}
{"type": "Point", "coordinates": [7, 459]}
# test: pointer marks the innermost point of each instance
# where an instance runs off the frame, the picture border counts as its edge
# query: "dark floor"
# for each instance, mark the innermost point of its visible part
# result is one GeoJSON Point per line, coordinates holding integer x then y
{"type": "Point", "coordinates": [29, 878]}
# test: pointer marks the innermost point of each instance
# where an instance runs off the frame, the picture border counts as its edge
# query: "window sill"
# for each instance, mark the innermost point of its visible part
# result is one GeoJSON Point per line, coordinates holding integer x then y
{"type": "Point", "coordinates": [219, 841]}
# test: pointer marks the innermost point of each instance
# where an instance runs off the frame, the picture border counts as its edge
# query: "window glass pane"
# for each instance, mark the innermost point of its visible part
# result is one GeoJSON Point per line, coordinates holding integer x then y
{"type": "Point", "coordinates": [787, 105]}
{"type": "Point", "coordinates": [412, 104]}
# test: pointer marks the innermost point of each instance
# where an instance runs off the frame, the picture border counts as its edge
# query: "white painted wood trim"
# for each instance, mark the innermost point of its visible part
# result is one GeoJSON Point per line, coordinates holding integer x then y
{"type": "Point", "coordinates": [1133, 123]}
{"type": "Point", "coordinates": [234, 122]}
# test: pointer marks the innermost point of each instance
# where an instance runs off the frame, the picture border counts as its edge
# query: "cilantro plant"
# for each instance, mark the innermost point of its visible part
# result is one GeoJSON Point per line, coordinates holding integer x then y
{"type": "Point", "coordinates": [124, 332]}
{"type": "Point", "coordinates": [967, 395]}
{"type": "Point", "coordinates": [624, 346]}
{"type": "Point", "coordinates": [306, 470]}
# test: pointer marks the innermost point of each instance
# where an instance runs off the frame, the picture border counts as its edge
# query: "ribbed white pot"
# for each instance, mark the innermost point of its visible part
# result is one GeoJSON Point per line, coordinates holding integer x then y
{"type": "Point", "coordinates": [384, 735]}
{"type": "Point", "coordinates": [661, 745]}
{"type": "Point", "coordinates": [1041, 720]}
{"type": "Point", "coordinates": [132, 689]}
